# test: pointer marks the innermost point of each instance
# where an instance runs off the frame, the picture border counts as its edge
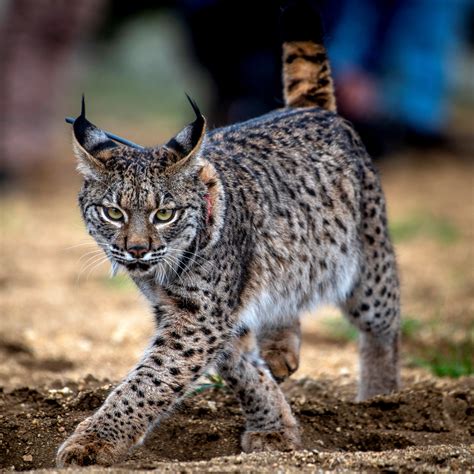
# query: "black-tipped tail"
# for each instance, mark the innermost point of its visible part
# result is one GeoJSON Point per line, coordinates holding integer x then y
{"type": "Point", "coordinates": [307, 77]}
{"type": "Point", "coordinates": [300, 21]}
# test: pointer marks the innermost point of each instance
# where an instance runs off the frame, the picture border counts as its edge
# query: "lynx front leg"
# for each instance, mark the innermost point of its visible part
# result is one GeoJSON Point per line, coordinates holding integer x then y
{"type": "Point", "coordinates": [184, 346]}
{"type": "Point", "coordinates": [280, 348]}
{"type": "Point", "coordinates": [270, 425]}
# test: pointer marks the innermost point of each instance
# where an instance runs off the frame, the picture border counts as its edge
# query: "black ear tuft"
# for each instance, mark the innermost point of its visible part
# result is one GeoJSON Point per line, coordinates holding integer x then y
{"type": "Point", "coordinates": [194, 106]}
{"type": "Point", "coordinates": [91, 138]}
{"type": "Point", "coordinates": [91, 145]}
{"type": "Point", "coordinates": [187, 142]}
{"type": "Point", "coordinates": [83, 107]}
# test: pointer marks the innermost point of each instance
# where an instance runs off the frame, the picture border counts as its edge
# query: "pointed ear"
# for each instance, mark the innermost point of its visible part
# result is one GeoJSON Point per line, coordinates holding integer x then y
{"type": "Point", "coordinates": [186, 144]}
{"type": "Point", "coordinates": [91, 146]}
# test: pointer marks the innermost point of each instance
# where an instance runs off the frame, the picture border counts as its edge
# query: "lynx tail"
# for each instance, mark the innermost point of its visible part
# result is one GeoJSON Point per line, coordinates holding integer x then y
{"type": "Point", "coordinates": [307, 80]}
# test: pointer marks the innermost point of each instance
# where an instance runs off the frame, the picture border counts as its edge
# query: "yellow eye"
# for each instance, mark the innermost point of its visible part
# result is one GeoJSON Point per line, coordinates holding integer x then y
{"type": "Point", "coordinates": [114, 213]}
{"type": "Point", "coordinates": [163, 215]}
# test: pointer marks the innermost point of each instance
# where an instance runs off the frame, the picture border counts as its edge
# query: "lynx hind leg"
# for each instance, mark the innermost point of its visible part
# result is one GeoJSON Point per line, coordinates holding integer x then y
{"type": "Point", "coordinates": [280, 348]}
{"type": "Point", "coordinates": [374, 308]}
{"type": "Point", "coordinates": [270, 425]}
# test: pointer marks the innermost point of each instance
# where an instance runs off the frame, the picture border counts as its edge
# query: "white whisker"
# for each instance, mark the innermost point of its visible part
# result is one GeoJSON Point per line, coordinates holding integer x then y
{"type": "Point", "coordinates": [114, 268]}
{"type": "Point", "coordinates": [194, 254]}
{"type": "Point", "coordinates": [90, 263]}
{"type": "Point", "coordinates": [90, 258]}
{"type": "Point", "coordinates": [92, 252]}
{"type": "Point", "coordinates": [95, 266]}
{"type": "Point", "coordinates": [199, 264]}
{"type": "Point", "coordinates": [175, 262]}
{"type": "Point", "coordinates": [159, 277]}
{"type": "Point", "coordinates": [90, 243]}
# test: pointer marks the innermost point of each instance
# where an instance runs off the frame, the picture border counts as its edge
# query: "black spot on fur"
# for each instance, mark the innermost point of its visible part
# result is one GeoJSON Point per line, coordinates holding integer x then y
{"type": "Point", "coordinates": [187, 305]}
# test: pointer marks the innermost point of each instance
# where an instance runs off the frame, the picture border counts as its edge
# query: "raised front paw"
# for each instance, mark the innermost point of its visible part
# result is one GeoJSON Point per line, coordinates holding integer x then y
{"type": "Point", "coordinates": [281, 351]}
{"type": "Point", "coordinates": [280, 348]}
{"type": "Point", "coordinates": [86, 447]}
{"type": "Point", "coordinates": [284, 440]}
{"type": "Point", "coordinates": [282, 363]}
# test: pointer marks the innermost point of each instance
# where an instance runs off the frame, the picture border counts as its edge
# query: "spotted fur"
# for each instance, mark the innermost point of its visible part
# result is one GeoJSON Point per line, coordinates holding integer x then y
{"type": "Point", "coordinates": [271, 217]}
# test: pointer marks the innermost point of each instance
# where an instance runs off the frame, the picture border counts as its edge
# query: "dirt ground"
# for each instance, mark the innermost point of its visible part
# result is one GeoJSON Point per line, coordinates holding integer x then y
{"type": "Point", "coordinates": [68, 333]}
{"type": "Point", "coordinates": [428, 424]}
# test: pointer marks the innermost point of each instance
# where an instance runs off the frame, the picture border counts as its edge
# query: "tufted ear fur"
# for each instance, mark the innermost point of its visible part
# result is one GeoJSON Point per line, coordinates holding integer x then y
{"type": "Point", "coordinates": [186, 143]}
{"type": "Point", "coordinates": [91, 146]}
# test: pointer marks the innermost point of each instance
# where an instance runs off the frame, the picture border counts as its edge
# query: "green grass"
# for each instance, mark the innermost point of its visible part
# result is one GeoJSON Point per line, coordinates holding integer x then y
{"type": "Point", "coordinates": [215, 381]}
{"type": "Point", "coordinates": [424, 225]}
{"type": "Point", "coordinates": [118, 282]}
{"type": "Point", "coordinates": [444, 358]}
{"type": "Point", "coordinates": [449, 360]}
{"type": "Point", "coordinates": [340, 329]}
{"type": "Point", "coordinates": [410, 326]}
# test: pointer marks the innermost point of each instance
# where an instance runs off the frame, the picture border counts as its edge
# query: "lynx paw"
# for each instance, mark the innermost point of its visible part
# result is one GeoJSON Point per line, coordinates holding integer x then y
{"type": "Point", "coordinates": [85, 448]}
{"type": "Point", "coordinates": [284, 440]}
{"type": "Point", "coordinates": [281, 354]}
{"type": "Point", "coordinates": [282, 363]}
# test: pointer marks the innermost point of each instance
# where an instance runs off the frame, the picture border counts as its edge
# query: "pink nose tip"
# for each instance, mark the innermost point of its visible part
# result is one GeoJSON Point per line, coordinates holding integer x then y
{"type": "Point", "coordinates": [137, 251]}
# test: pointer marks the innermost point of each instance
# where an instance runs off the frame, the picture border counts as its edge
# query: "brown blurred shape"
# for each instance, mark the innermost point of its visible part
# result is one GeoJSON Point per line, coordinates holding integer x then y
{"type": "Point", "coordinates": [37, 41]}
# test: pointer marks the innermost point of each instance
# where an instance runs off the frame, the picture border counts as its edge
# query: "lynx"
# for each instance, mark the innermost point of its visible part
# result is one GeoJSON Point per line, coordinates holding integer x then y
{"type": "Point", "coordinates": [231, 234]}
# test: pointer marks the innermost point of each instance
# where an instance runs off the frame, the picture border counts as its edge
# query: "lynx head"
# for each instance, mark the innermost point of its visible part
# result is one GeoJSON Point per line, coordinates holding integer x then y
{"type": "Point", "coordinates": [145, 208]}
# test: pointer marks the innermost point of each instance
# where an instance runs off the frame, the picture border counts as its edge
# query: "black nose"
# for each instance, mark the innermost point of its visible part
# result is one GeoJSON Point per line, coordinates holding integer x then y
{"type": "Point", "coordinates": [137, 251]}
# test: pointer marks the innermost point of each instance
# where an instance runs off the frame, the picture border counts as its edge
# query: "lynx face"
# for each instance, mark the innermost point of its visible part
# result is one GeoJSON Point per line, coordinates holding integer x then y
{"type": "Point", "coordinates": [144, 208]}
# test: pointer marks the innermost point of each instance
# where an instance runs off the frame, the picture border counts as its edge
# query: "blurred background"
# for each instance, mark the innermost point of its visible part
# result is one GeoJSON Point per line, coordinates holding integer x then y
{"type": "Point", "coordinates": [404, 74]}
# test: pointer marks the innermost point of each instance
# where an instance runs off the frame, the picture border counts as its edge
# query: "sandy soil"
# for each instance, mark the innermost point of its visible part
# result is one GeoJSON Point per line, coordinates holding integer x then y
{"type": "Point", "coordinates": [67, 332]}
